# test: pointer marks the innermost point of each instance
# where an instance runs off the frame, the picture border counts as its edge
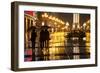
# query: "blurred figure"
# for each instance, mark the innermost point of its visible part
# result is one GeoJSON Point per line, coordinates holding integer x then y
{"type": "Point", "coordinates": [33, 39]}
{"type": "Point", "coordinates": [46, 43]}
{"type": "Point", "coordinates": [82, 44]}
{"type": "Point", "coordinates": [42, 40]}
{"type": "Point", "coordinates": [69, 46]}
{"type": "Point", "coordinates": [47, 38]}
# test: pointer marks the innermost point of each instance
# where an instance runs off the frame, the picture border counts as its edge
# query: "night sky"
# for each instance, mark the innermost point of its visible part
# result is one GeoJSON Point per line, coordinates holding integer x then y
{"type": "Point", "coordinates": [69, 17]}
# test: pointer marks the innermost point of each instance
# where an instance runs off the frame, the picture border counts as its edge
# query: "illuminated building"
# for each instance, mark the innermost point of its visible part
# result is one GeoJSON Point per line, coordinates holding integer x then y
{"type": "Point", "coordinates": [29, 21]}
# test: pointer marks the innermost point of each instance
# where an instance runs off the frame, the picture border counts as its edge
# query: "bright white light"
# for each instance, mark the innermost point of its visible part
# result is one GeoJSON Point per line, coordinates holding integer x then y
{"type": "Point", "coordinates": [88, 21]}
{"type": "Point", "coordinates": [84, 24]}
{"type": "Point", "coordinates": [84, 38]}
{"type": "Point", "coordinates": [67, 24]}
{"type": "Point", "coordinates": [42, 23]}
{"type": "Point", "coordinates": [73, 26]}
{"type": "Point", "coordinates": [78, 26]}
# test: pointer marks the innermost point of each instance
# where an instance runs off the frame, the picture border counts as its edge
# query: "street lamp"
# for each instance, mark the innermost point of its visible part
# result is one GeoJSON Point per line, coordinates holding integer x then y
{"type": "Point", "coordinates": [78, 26]}
{"type": "Point", "coordinates": [67, 24]}
{"type": "Point", "coordinates": [42, 23]}
{"type": "Point", "coordinates": [84, 25]}
{"type": "Point", "coordinates": [73, 27]}
{"type": "Point", "coordinates": [50, 17]}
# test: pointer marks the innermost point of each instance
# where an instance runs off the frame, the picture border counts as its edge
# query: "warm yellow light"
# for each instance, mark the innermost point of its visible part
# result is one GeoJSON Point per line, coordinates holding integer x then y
{"type": "Point", "coordinates": [42, 15]}
{"type": "Point", "coordinates": [35, 18]}
{"type": "Point", "coordinates": [55, 23]}
{"type": "Point", "coordinates": [73, 26]}
{"type": "Point", "coordinates": [88, 36]}
{"type": "Point", "coordinates": [45, 15]}
{"type": "Point", "coordinates": [42, 23]}
{"type": "Point", "coordinates": [63, 23]}
{"type": "Point", "coordinates": [88, 21]}
{"type": "Point", "coordinates": [58, 20]}
{"type": "Point", "coordinates": [84, 24]}
{"type": "Point", "coordinates": [53, 18]}
{"type": "Point", "coordinates": [67, 24]}
{"type": "Point", "coordinates": [88, 40]}
{"type": "Point", "coordinates": [57, 40]}
{"type": "Point", "coordinates": [50, 17]}
{"type": "Point", "coordinates": [78, 26]}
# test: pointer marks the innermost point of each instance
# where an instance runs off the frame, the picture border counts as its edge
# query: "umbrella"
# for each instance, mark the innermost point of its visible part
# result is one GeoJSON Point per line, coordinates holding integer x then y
{"type": "Point", "coordinates": [45, 27]}
{"type": "Point", "coordinates": [31, 28]}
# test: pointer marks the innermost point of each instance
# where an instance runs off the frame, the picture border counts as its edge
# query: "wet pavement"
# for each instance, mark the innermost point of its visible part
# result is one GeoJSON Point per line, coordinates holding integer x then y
{"type": "Point", "coordinates": [60, 47]}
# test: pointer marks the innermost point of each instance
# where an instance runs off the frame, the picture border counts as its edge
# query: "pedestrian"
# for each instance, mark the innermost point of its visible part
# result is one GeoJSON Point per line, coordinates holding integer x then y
{"type": "Point", "coordinates": [47, 38]}
{"type": "Point", "coordinates": [42, 40]}
{"type": "Point", "coordinates": [33, 39]}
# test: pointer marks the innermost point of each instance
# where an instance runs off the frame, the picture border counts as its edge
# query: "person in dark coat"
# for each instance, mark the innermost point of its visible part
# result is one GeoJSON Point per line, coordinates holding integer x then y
{"type": "Point", "coordinates": [42, 38]}
{"type": "Point", "coordinates": [33, 39]}
{"type": "Point", "coordinates": [69, 46]}
{"type": "Point", "coordinates": [82, 44]}
{"type": "Point", "coordinates": [47, 38]}
{"type": "Point", "coordinates": [46, 42]}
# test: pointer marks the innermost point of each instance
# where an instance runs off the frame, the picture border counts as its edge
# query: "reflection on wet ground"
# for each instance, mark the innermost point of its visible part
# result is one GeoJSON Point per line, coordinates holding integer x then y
{"type": "Point", "coordinates": [61, 46]}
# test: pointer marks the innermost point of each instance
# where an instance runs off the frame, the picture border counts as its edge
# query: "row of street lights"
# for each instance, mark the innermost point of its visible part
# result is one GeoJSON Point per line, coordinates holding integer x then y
{"type": "Point", "coordinates": [65, 24]}
{"type": "Point", "coordinates": [50, 17]}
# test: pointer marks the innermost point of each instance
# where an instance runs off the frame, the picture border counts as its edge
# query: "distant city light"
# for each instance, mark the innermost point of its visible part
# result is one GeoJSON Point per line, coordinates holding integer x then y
{"type": "Point", "coordinates": [67, 24]}
{"type": "Point", "coordinates": [42, 23]}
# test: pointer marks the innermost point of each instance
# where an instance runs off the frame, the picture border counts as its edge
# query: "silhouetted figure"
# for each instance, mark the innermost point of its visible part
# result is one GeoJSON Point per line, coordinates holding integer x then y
{"type": "Point", "coordinates": [69, 46]}
{"type": "Point", "coordinates": [47, 38]}
{"type": "Point", "coordinates": [33, 39]}
{"type": "Point", "coordinates": [46, 43]}
{"type": "Point", "coordinates": [82, 44]}
{"type": "Point", "coordinates": [42, 40]}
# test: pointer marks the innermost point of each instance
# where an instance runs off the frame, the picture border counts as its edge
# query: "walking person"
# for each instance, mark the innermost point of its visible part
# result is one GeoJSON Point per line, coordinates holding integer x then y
{"type": "Point", "coordinates": [69, 46]}
{"type": "Point", "coordinates": [42, 44]}
{"type": "Point", "coordinates": [46, 43]}
{"type": "Point", "coordinates": [42, 38]}
{"type": "Point", "coordinates": [47, 38]}
{"type": "Point", "coordinates": [33, 39]}
{"type": "Point", "coordinates": [82, 45]}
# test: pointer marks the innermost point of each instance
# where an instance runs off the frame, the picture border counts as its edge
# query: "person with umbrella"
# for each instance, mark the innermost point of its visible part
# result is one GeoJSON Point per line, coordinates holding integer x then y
{"type": "Point", "coordinates": [33, 39]}
{"type": "Point", "coordinates": [44, 37]}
